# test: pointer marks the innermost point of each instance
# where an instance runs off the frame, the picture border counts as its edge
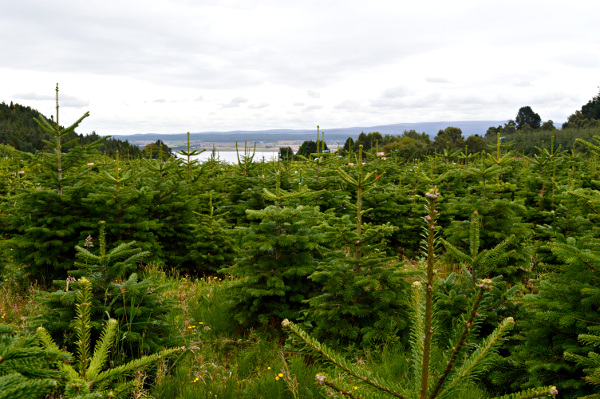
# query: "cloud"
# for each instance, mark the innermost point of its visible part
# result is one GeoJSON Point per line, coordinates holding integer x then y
{"type": "Point", "coordinates": [33, 97]}
{"type": "Point", "coordinates": [64, 100]}
{"type": "Point", "coordinates": [259, 106]}
{"type": "Point", "coordinates": [395, 92]}
{"type": "Point", "coordinates": [436, 80]}
{"type": "Point", "coordinates": [298, 104]}
{"type": "Point", "coordinates": [349, 105]}
{"type": "Point", "coordinates": [313, 94]}
{"type": "Point", "coordinates": [312, 107]}
{"type": "Point", "coordinates": [236, 102]}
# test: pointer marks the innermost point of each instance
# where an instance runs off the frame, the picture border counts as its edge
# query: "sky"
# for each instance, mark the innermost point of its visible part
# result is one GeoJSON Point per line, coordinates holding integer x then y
{"type": "Point", "coordinates": [193, 65]}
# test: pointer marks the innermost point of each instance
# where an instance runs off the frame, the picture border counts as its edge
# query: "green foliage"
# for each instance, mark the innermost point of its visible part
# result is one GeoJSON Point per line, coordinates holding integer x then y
{"type": "Point", "coordinates": [449, 139]}
{"type": "Point", "coordinates": [278, 253]}
{"type": "Point", "coordinates": [26, 369]}
{"type": "Point", "coordinates": [87, 377]}
{"type": "Point", "coordinates": [526, 116]}
{"type": "Point", "coordinates": [427, 377]}
{"type": "Point", "coordinates": [481, 264]}
{"type": "Point", "coordinates": [137, 304]}
{"type": "Point", "coordinates": [286, 154]}
{"type": "Point", "coordinates": [158, 150]}
{"type": "Point", "coordinates": [361, 300]}
{"type": "Point", "coordinates": [563, 309]}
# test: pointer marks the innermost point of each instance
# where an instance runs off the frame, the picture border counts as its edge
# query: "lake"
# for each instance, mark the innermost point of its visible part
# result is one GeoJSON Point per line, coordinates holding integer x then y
{"type": "Point", "coordinates": [231, 156]}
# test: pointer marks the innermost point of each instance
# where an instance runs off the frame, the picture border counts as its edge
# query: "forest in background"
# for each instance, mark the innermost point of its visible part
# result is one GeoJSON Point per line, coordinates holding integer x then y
{"type": "Point", "coordinates": [369, 251]}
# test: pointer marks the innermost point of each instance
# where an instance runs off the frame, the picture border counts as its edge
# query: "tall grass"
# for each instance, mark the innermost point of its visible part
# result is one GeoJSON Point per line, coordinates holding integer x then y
{"type": "Point", "coordinates": [221, 363]}
{"type": "Point", "coordinates": [17, 302]}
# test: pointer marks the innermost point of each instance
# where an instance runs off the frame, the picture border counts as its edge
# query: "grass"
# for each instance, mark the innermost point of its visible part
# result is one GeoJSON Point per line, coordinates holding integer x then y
{"type": "Point", "coordinates": [219, 363]}
{"type": "Point", "coordinates": [17, 301]}
{"type": "Point", "coordinates": [219, 360]}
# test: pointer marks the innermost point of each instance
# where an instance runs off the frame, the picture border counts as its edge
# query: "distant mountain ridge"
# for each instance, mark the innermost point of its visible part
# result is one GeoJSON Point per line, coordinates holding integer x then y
{"type": "Point", "coordinates": [332, 135]}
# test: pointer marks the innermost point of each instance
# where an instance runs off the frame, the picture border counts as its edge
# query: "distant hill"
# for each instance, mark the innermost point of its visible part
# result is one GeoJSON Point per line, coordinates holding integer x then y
{"type": "Point", "coordinates": [294, 137]}
{"type": "Point", "coordinates": [19, 130]}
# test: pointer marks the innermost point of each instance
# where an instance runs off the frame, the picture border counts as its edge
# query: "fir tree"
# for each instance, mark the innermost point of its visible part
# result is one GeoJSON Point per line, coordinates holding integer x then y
{"type": "Point", "coordinates": [361, 299]}
{"type": "Point", "coordinates": [278, 254]}
{"type": "Point", "coordinates": [460, 366]}
{"type": "Point", "coordinates": [26, 369]}
{"type": "Point", "coordinates": [138, 304]}
{"type": "Point", "coordinates": [87, 378]}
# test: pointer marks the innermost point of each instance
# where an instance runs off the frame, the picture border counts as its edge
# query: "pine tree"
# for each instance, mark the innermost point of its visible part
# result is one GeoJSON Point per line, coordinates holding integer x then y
{"type": "Point", "coordinates": [87, 377]}
{"type": "Point", "coordinates": [361, 300]}
{"type": "Point", "coordinates": [45, 221]}
{"type": "Point", "coordinates": [214, 247]}
{"type": "Point", "coordinates": [123, 203]}
{"type": "Point", "coordinates": [277, 255]}
{"type": "Point", "coordinates": [118, 292]}
{"type": "Point", "coordinates": [564, 308]}
{"type": "Point", "coordinates": [459, 367]}
{"type": "Point", "coordinates": [58, 163]}
{"type": "Point", "coordinates": [172, 211]}
{"type": "Point", "coordinates": [27, 370]}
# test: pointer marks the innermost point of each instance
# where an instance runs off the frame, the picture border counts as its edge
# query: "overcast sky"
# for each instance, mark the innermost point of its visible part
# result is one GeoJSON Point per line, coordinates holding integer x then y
{"type": "Point", "coordinates": [178, 66]}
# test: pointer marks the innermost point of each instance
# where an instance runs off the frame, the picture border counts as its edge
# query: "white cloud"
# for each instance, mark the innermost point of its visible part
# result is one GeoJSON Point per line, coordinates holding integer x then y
{"type": "Point", "coordinates": [186, 65]}
{"type": "Point", "coordinates": [313, 94]}
{"type": "Point", "coordinates": [65, 99]}
{"type": "Point", "coordinates": [236, 102]}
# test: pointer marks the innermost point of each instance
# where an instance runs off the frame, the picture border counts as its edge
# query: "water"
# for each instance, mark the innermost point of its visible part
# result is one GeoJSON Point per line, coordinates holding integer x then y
{"type": "Point", "coordinates": [232, 157]}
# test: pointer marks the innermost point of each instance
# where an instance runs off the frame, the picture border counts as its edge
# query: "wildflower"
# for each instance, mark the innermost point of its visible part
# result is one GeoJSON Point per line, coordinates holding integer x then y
{"type": "Point", "coordinates": [269, 368]}
{"type": "Point", "coordinates": [276, 377]}
{"type": "Point", "coordinates": [285, 323]}
{"type": "Point", "coordinates": [320, 379]}
{"type": "Point", "coordinates": [485, 283]}
{"type": "Point", "coordinates": [280, 375]}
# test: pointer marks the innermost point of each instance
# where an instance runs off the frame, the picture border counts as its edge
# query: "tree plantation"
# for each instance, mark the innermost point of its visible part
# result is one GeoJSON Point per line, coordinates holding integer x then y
{"type": "Point", "coordinates": [396, 267]}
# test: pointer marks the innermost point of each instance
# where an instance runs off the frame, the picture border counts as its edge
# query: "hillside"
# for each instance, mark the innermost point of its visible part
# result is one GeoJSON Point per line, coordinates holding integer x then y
{"type": "Point", "coordinates": [275, 138]}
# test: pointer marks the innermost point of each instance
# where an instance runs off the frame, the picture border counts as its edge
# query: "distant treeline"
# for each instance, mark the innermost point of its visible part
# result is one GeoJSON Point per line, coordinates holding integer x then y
{"type": "Point", "coordinates": [19, 130]}
{"type": "Point", "coordinates": [525, 135]}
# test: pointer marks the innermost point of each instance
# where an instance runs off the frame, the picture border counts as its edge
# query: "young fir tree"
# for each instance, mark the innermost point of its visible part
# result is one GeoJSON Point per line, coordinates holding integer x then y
{"type": "Point", "coordinates": [27, 370]}
{"type": "Point", "coordinates": [57, 163]}
{"type": "Point", "coordinates": [432, 372]}
{"type": "Point", "coordinates": [361, 300]}
{"type": "Point", "coordinates": [214, 247]}
{"type": "Point", "coordinates": [173, 211]}
{"type": "Point", "coordinates": [123, 202]}
{"type": "Point", "coordinates": [89, 377]}
{"type": "Point", "coordinates": [45, 221]}
{"type": "Point", "coordinates": [137, 304]}
{"type": "Point", "coordinates": [564, 307]}
{"type": "Point", "coordinates": [277, 255]}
